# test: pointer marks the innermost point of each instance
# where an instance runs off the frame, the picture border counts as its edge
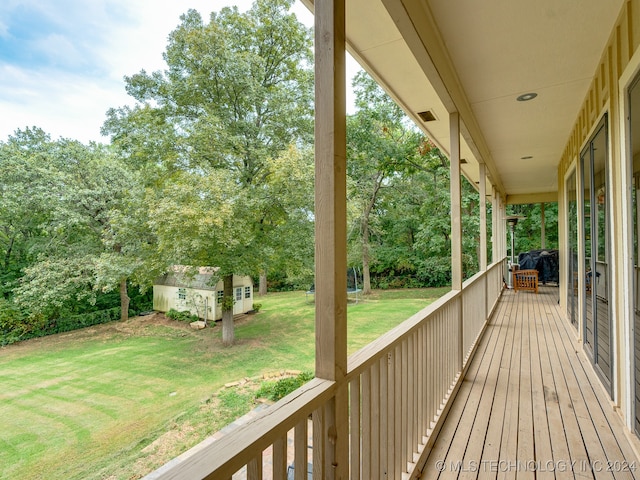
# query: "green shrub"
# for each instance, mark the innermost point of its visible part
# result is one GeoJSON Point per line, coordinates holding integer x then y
{"type": "Point", "coordinates": [257, 306]}
{"type": "Point", "coordinates": [435, 272]}
{"type": "Point", "coordinates": [16, 325]}
{"type": "Point", "coordinates": [276, 390]}
{"type": "Point", "coordinates": [74, 322]}
{"type": "Point", "coordinates": [184, 316]}
{"type": "Point", "coordinates": [12, 319]}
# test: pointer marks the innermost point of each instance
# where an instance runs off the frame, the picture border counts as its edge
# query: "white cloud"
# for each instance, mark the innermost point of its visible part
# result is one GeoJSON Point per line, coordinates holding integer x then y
{"type": "Point", "coordinates": [63, 105]}
{"type": "Point", "coordinates": [90, 48]}
{"type": "Point", "coordinates": [59, 49]}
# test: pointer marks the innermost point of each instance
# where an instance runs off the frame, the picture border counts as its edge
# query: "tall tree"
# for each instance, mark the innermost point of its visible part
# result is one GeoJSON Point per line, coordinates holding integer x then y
{"type": "Point", "coordinates": [88, 190]}
{"type": "Point", "coordinates": [381, 144]}
{"type": "Point", "coordinates": [237, 92]}
{"type": "Point", "coordinates": [24, 211]}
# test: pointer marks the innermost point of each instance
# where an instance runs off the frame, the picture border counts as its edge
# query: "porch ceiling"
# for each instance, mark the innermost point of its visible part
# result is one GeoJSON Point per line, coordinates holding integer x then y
{"type": "Point", "coordinates": [477, 58]}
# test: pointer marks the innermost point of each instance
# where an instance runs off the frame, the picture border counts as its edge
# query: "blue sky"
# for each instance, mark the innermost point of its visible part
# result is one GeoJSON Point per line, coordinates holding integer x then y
{"type": "Point", "coordinates": [62, 62]}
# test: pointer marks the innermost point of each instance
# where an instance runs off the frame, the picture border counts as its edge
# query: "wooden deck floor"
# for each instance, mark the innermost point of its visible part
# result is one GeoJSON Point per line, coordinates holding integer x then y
{"type": "Point", "coordinates": [530, 405]}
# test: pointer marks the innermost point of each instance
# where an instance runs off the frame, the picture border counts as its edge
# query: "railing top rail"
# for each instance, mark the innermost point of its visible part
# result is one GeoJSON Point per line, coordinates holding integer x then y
{"type": "Point", "coordinates": [482, 274]}
{"type": "Point", "coordinates": [224, 458]}
{"type": "Point", "coordinates": [470, 281]}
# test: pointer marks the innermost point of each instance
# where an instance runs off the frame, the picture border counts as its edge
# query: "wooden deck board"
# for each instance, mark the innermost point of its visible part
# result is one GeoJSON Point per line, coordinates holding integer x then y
{"type": "Point", "coordinates": [440, 448]}
{"type": "Point", "coordinates": [531, 406]}
{"type": "Point", "coordinates": [558, 441]}
{"type": "Point", "coordinates": [473, 454]}
{"type": "Point", "coordinates": [541, 436]}
{"type": "Point", "coordinates": [493, 439]}
{"type": "Point", "coordinates": [509, 443]}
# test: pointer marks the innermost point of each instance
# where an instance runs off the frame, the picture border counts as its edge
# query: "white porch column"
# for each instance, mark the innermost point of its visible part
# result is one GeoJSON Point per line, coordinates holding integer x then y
{"type": "Point", "coordinates": [456, 224]}
{"type": "Point", "coordinates": [505, 230]}
{"type": "Point", "coordinates": [495, 228]}
{"type": "Point", "coordinates": [456, 202]}
{"type": "Point", "coordinates": [483, 218]}
{"type": "Point", "coordinates": [543, 233]}
{"type": "Point", "coordinates": [331, 424]}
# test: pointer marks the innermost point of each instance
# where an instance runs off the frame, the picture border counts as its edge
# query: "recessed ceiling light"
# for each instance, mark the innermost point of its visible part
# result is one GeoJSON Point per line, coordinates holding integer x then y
{"type": "Point", "coordinates": [525, 97]}
{"type": "Point", "coordinates": [526, 157]}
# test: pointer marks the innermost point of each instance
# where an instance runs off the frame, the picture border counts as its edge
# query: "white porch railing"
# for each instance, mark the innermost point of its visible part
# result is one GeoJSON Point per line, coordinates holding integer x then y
{"type": "Point", "coordinates": [398, 386]}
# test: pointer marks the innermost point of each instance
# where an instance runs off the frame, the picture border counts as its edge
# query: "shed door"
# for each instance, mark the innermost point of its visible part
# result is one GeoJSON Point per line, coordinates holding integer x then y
{"type": "Point", "coordinates": [238, 306]}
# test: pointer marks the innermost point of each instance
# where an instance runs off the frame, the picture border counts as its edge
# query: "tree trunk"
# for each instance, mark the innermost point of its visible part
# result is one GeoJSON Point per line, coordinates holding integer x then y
{"type": "Point", "coordinates": [124, 301]}
{"type": "Point", "coordinates": [366, 258]}
{"type": "Point", "coordinates": [366, 277]}
{"type": "Point", "coordinates": [227, 313]}
{"type": "Point", "coordinates": [263, 283]}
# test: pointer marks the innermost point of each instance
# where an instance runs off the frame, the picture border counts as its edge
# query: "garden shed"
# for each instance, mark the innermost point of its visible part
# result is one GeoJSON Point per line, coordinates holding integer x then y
{"type": "Point", "coordinates": [199, 290]}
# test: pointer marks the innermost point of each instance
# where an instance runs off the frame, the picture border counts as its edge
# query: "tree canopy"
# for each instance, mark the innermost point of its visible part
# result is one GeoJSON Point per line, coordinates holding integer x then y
{"type": "Point", "coordinates": [235, 99]}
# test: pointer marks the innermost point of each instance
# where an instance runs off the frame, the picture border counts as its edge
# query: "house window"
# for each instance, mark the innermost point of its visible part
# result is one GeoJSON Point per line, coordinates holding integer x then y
{"type": "Point", "coordinates": [182, 294]}
{"type": "Point", "coordinates": [247, 292]}
{"type": "Point", "coordinates": [220, 296]}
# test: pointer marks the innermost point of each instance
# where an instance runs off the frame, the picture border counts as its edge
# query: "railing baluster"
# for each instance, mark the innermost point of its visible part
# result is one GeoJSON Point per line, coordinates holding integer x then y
{"type": "Point", "coordinates": [355, 428]}
{"type": "Point", "coordinates": [280, 458]}
{"type": "Point", "coordinates": [420, 381]}
{"type": "Point", "coordinates": [410, 421]}
{"type": "Point", "coordinates": [403, 413]}
{"type": "Point", "coordinates": [376, 420]}
{"type": "Point", "coordinates": [384, 416]}
{"type": "Point", "coordinates": [399, 409]}
{"type": "Point", "coordinates": [367, 421]}
{"type": "Point", "coordinates": [432, 367]}
{"type": "Point", "coordinates": [318, 443]}
{"type": "Point", "coordinates": [254, 468]}
{"type": "Point", "coordinates": [300, 440]}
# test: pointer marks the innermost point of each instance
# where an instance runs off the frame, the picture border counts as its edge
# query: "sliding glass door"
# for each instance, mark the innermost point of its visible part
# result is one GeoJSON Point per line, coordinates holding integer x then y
{"type": "Point", "coordinates": [634, 130]}
{"type": "Point", "coordinates": [595, 210]}
{"type": "Point", "coordinates": [572, 257]}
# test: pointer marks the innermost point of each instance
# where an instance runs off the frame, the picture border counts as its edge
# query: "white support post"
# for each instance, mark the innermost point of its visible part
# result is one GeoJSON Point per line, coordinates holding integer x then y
{"type": "Point", "coordinates": [503, 227]}
{"type": "Point", "coordinates": [543, 233]}
{"type": "Point", "coordinates": [495, 226]}
{"type": "Point", "coordinates": [483, 218]}
{"type": "Point", "coordinates": [456, 225]}
{"type": "Point", "coordinates": [456, 202]}
{"type": "Point", "coordinates": [331, 232]}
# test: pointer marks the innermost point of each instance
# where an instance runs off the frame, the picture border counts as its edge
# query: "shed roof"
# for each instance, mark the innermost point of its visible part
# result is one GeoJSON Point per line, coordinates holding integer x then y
{"type": "Point", "coordinates": [182, 276]}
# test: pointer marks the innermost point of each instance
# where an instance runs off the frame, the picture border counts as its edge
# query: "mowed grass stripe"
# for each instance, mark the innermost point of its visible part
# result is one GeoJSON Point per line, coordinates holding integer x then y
{"type": "Point", "coordinates": [84, 404]}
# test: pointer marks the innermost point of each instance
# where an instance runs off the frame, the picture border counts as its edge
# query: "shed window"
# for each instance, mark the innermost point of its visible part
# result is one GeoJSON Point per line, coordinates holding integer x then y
{"type": "Point", "coordinates": [182, 294]}
{"type": "Point", "coordinates": [247, 292]}
{"type": "Point", "coordinates": [220, 296]}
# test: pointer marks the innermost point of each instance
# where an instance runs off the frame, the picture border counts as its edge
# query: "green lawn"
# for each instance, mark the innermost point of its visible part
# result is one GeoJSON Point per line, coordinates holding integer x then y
{"type": "Point", "coordinates": [84, 404]}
